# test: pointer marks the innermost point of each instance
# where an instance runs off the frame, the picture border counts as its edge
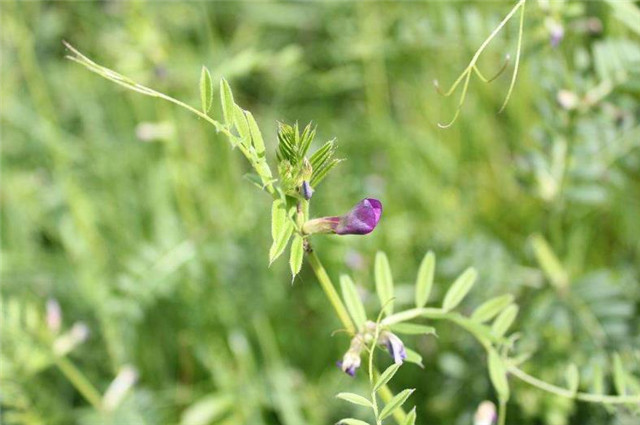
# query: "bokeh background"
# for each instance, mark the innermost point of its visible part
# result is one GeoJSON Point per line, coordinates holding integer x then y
{"type": "Point", "coordinates": [134, 216]}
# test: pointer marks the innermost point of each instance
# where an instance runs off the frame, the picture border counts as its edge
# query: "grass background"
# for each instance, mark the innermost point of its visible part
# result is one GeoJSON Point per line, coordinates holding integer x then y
{"type": "Point", "coordinates": [135, 216]}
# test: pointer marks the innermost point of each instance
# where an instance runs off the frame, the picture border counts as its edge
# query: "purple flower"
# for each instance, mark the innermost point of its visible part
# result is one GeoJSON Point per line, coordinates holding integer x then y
{"type": "Point", "coordinates": [350, 363]}
{"type": "Point", "coordinates": [394, 346]}
{"type": "Point", "coordinates": [362, 219]}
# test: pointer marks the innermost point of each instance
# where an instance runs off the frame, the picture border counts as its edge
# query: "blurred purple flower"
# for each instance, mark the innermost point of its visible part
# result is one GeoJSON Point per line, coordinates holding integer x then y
{"type": "Point", "coordinates": [556, 35]}
{"type": "Point", "coordinates": [349, 367]}
{"type": "Point", "coordinates": [362, 219]}
{"type": "Point", "coordinates": [394, 346]}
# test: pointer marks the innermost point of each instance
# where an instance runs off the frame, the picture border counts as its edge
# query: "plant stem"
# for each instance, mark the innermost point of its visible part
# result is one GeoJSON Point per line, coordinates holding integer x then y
{"type": "Point", "coordinates": [330, 291]}
{"type": "Point", "coordinates": [80, 382]}
{"type": "Point", "coordinates": [430, 313]}
{"type": "Point", "coordinates": [502, 412]}
{"type": "Point", "coordinates": [563, 392]}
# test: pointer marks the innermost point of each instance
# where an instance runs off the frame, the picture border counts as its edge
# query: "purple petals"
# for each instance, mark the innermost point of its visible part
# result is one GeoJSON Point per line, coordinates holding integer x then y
{"type": "Point", "coordinates": [362, 219]}
{"type": "Point", "coordinates": [350, 363]}
{"type": "Point", "coordinates": [394, 345]}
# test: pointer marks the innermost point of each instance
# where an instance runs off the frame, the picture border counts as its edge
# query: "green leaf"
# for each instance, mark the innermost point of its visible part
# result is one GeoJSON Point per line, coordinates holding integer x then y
{"type": "Point", "coordinates": [504, 320]}
{"type": "Point", "coordinates": [386, 376]}
{"type": "Point", "coordinates": [424, 282]}
{"type": "Point", "coordinates": [384, 282]}
{"type": "Point", "coordinates": [413, 329]}
{"type": "Point", "coordinates": [206, 89]}
{"type": "Point", "coordinates": [411, 417]}
{"type": "Point", "coordinates": [305, 140]}
{"type": "Point", "coordinates": [256, 135]}
{"type": "Point", "coordinates": [319, 175]}
{"type": "Point", "coordinates": [355, 399]}
{"type": "Point", "coordinates": [619, 380]}
{"type": "Point", "coordinates": [241, 124]}
{"type": "Point", "coordinates": [352, 301]}
{"type": "Point", "coordinates": [498, 375]}
{"type": "Point", "coordinates": [597, 385]}
{"type": "Point", "coordinates": [413, 357]}
{"type": "Point", "coordinates": [572, 376]}
{"type": "Point", "coordinates": [296, 255]}
{"type": "Point", "coordinates": [626, 12]}
{"type": "Point", "coordinates": [351, 421]}
{"type": "Point", "coordinates": [228, 105]}
{"type": "Point", "coordinates": [281, 229]}
{"type": "Point", "coordinates": [489, 309]}
{"type": "Point", "coordinates": [395, 403]}
{"type": "Point", "coordinates": [321, 156]}
{"type": "Point", "coordinates": [549, 262]}
{"type": "Point", "coordinates": [286, 143]}
{"type": "Point", "coordinates": [459, 289]}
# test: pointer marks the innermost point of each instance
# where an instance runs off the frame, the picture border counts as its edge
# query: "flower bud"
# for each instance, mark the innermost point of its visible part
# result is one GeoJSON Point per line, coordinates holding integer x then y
{"type": "Point", "coordinates": [362, 219]}
{"type": "Point", "coordinates": [394, 345]}
{"type": "Point", "coordinates": [54, 315]}
{"type": "Point", "coordinates": [306, 190]}
{"type": "Point", "coordinates": [568, 100]}
{"type": "Point", "coordinates": [486, 414]}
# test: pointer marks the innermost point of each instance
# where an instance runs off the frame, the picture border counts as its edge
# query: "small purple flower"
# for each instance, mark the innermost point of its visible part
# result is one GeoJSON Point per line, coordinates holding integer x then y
{"type": "Point", "coordinates": [350, 363]}
{"type": "Point", "coordinates": [394, 346]}
{"type": "Point", "coordinates": [361, 220]}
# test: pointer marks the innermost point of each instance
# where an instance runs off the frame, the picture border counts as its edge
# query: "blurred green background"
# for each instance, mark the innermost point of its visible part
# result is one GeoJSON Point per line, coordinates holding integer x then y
{"type": "Point", "coordinates": [136, 218]}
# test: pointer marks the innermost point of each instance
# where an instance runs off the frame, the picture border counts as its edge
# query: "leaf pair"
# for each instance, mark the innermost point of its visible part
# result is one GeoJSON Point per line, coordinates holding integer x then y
{"type": "Point", "coordinates": [456, 293]}
{"type": "Point", "coordinates": [396, 402]}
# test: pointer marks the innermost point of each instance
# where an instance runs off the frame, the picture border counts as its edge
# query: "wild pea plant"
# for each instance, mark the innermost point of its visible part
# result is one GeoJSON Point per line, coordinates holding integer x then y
{"type": "Point", "coordinates": [299, 172]}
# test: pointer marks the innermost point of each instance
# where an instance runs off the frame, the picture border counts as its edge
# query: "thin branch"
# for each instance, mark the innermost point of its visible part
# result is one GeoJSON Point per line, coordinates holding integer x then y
{"type": "Point", "coordinates": [563, 392]}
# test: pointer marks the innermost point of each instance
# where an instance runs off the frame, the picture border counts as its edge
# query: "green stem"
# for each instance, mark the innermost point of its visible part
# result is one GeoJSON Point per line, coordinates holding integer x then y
{"type": "Point", "coordinates": [563, 392]}
{"type": "Point", "coordinates": [502, 412]}
{"type": "Point", "coordinates": [330, 292]}
{"type": "Point", "coordinates": [429, 313]}
{"type": "Point", "coordinates": [80, 382]}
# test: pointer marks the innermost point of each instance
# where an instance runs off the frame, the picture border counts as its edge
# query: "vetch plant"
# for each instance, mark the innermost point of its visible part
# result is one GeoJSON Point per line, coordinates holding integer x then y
{"type": "Point", "coordinates": [292, 188]}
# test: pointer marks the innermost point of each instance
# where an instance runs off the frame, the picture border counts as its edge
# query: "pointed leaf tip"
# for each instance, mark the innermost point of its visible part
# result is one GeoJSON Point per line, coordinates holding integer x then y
{"type": "Point", "coordinates": [206, 89]}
